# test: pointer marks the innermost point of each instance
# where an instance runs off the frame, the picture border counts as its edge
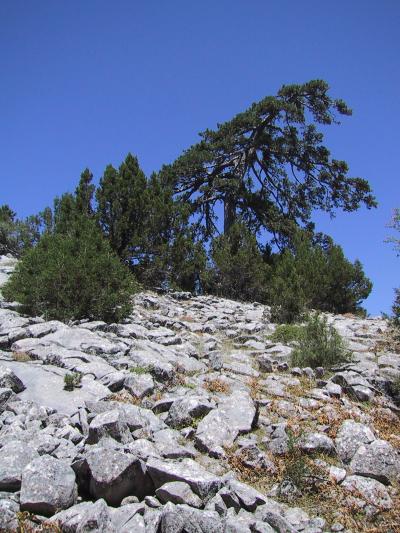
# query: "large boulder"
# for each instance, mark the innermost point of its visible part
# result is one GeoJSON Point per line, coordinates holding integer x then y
{"type": "Point", "coordinates": [14, 456]}
{"type": "Point", "coordinates": [235, 415]}
{"type": "Point", "coordinates": [109, 424]}
{"type": "Point", "coordinates": [113, 474]}
{"type": "Point", "coordinates": [378, 460]}
{"type": "Point", "coordinates": [47, 485]}
{"type": "Point", "coordinates": [8, 514]}
{"type": "Point", "coordinates": [370, 490]}
{"type": "Point", "coordinates": [350, 437]}
{"type": "Point", "coordinates": [180, 518]}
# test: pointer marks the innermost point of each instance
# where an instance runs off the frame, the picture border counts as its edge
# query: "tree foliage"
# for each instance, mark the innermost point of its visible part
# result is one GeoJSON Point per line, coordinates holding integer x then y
{"type": "Point", "coordinates": [71, 276]}
{"type": "Point", "coordinates": [238, 269]}
{"type": "Point", "coordinates": [122, 208]}
{"type": "Point", "coordinates": [315, 275]}
{"type": "Point", "coordinates": [269, 164]}
{"type": "Point", "coordinates": [268, 167]}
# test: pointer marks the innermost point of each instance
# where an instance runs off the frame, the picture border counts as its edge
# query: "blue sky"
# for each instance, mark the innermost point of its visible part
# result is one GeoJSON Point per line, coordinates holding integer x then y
{"type": "Point", "coordinates": [85, 82]}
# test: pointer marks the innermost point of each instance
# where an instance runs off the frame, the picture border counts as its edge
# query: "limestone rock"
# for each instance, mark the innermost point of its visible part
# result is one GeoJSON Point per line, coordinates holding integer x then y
{"type": "Point", "coordinates": [14, 457]}
{"type": "Point", "coordinates": [86, 516]}
{"type": "Point", "coordinates": [202, 482]}
{"type": "Point", "coordinates": [235, 415]}
{"type": "Point", "coordinates": [378, 460]}
{"type": "Point", "coordinates": [111, 423]}
{"type": "Point", "coordinates": [178, 492]}
{"type": "Point", "coordinates": [113, 475]}
{"type": "Point", "coordinates": [184, 410]}
{"type": "Point", "coordinates": [139, 385]}
{"type": "Point", "coordinates": [350, 437]}
{"type": "Point", "coordinates": [374, 492]}
{"type": "Point", "coordinates": [9, 380]}
{"type": "Point", "coordinates": [47, 485]}
{"type": "Point", "coordinates": [316, 442]}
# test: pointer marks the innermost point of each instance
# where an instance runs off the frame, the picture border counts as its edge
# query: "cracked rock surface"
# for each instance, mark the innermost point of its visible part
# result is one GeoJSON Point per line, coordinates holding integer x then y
{"type": "Point", "coordinates": [187, 417]}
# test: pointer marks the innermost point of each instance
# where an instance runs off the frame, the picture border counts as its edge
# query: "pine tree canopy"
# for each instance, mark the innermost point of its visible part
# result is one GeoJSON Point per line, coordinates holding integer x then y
{"type": "Point", "coordinates": [269, 165]}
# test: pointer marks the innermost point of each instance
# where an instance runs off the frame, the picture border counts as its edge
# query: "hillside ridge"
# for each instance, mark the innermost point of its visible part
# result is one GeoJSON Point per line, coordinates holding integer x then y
{"type": "Point", "coordinates": [188, 417]}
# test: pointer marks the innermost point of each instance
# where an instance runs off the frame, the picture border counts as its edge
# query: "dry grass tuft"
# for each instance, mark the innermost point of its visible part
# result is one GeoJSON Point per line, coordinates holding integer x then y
{"type": "Point", "coordinates": [217, 385]}
{"type": "Point", "coordinates": [21, 357]}
{"type": "Point", "coordinates": [386, 425]}
{"type": "Point", "coordinates": [255, 388]}
{"type": "Point", "coordinates": [298, 391]}
{"type": "Point", "coordinates": [30, 523]}
{"type": "Point", "coordinates": [124, 397]}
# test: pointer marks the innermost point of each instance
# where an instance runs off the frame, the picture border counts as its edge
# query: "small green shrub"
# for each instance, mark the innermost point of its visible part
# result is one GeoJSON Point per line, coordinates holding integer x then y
{"type": "Point", "coordinates": [72, 276]}
{"type": "Point", "coordinates": [287, 333]}
{"type": "Point", "coordinates": [320, 345]}
{"type": "Point", "coordinates": [141, 369]}
{"type": "Point", "coordinates": [72, 381]}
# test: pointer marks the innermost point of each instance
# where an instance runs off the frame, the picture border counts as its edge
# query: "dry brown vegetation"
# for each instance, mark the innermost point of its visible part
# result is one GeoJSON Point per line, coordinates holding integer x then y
{"type": "Point", "coordinates": [22, 357]}
{"type": "Point", "coordinates": [30, 523]}
{"type": "Point", "coordinates": [124, 397]}
{"type": "Point", "coordinates": [217, 385]}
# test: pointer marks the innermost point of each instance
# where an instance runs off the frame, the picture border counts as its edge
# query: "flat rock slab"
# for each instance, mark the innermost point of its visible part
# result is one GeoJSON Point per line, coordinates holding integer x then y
{"type": "Point", "coordinates": [47, 485]}
{"type": "Point", "coordinates": [45, 386]}
{"type": "Point", "coordinates": [84, 340]}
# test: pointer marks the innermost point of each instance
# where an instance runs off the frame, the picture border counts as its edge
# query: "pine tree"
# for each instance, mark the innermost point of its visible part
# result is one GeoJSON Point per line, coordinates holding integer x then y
{"type": "Point", "coordinates": [122, 208]}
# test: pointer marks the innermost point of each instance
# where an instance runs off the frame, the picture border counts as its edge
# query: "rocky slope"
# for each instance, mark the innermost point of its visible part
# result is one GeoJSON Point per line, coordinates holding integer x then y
{"type": "Point", "coordinates": [188, 418]}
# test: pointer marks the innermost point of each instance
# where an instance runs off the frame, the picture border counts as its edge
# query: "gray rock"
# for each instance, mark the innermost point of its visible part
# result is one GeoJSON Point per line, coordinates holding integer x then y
{"type": "Point", "coordinates": [184, 410]}
{"type": "Point", "coordinates": [84, 517]}
{"type": "Point", "coordinates": [167, 445]}
{"type": "Point", "coordinates": [45, 386]}
{"type": "Point", "coordinates": [354, 384]}
{"type": "Point", "coordinates": [265, 363]}
{"type": "Point", "coordinates": [350, 437]}
{"type": "Point", "coordinates": [178, 492]}
{"type": "Point", "coordinates": [14, 457]}
{"type": "Point", "coordinates": [9, 380]}
{"type": "Point", "coordinates": [47, 486]}
{"type": "Point", "coordinates": [248, 497]}
{"type": "Point", "coordinates": [185, 519]}
{"type": "Point", "coordinates": [5, 396]}
{"type": "Point", "coordinates": [113, 475]}
{"type": "Point", "coordinates": [8, 515]}
{"type": "Point", "coordinates": [371, 490]}
{"type": "Point", "coordinates": [136, 417]}
{"type": "Point", "coordinates": [111, 423]}
{"type": "Point", "coordinates": [85, 341]}
{"type": "Point", "coordinates": [202, 482]}
{"type": "Point", "coordinates": [316, 442]}
{"type": "Point", "coordinates": [378, 460]}
{"type": "Point", "coordinates": [216, 361]}
{"type": "Point", "coordinates": [139, 385]}
{"type": "Point", "coordinates": [235, 415]}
